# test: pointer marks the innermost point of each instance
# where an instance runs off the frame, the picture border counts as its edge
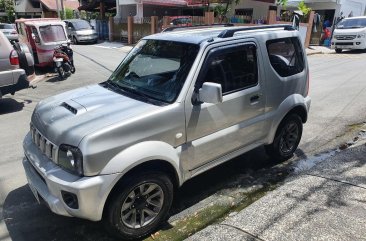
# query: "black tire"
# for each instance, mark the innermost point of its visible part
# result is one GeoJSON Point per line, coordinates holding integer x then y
{"type": "Point", "coordinates": [72, 68]}
{"type": "Point", "coordinates": [338, 51]}
{"type": "Point", "coordinates": [137, 204]}
{"type": "Point", "coordinates": [287, 138]}
{"type": "Point", "coordinates": [61, 73]}
{"type": "Point", "coordinates": [75, 41]}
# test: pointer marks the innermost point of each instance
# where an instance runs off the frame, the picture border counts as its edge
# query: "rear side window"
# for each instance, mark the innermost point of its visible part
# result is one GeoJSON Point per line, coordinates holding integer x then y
{"type": "Point", "coordinates": [286, 56]}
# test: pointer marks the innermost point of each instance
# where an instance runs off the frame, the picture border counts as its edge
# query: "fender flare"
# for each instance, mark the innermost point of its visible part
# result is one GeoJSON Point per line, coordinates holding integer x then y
{"type": "Point", "coordinates": [141, 153]}
{"type": "Point", "coordinates": [289, 104]}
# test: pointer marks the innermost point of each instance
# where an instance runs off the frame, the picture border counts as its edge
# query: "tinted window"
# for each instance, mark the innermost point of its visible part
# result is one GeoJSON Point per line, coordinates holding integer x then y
{"type": "Point", "coordinates": [286, 56]}
{"type": "Point", "coordinates": [79, 25]}
{"type": "Point", "coordinates": [235, 69]}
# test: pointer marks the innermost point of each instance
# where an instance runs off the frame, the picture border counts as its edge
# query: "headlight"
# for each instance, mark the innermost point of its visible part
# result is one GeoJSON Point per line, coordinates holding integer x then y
{"type": "Point", "coordinates": [362, 35]}
{"type": "Point", "coordinates": [71, 158]}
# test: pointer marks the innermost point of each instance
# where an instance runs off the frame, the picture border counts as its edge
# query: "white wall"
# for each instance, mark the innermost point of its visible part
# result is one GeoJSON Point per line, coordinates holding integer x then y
{"type": "Point", "coordinates": [260, 9]}
{"type": "Point", "coordinates": [357, 7]}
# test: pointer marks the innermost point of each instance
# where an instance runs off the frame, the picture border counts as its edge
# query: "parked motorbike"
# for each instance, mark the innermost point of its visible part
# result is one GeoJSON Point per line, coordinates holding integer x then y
{"type": "Point", "coordinates": [63, 59]}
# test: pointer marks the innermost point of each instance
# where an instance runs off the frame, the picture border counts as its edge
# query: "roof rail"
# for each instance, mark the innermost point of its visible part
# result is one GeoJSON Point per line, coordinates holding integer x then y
{"type": "Point", "coordinates": [230, 32]}
{"type": "Point", "coordinates": [171, 29]}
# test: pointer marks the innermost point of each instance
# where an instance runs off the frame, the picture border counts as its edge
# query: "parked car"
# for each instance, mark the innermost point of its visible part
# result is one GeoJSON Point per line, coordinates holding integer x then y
{"type": "Point", "coordinates": [42, 36]}
{"type": "Point", "coordinates": [9, 31]}
{"type": "Point", "coordinates": [12, 78]}
{"type": "Point", "coordinates": [179, 104]}
{"type": "Point", "coordinates": [180, 21]}
{"type": "Point", "coordinates": [350, 33]}
{"type": "Point", "coordinates": [80, 30]}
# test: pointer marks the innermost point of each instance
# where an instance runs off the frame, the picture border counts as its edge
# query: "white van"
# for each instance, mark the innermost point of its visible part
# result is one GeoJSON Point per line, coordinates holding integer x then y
{"type": "Point", "coordinates": [350, 33]}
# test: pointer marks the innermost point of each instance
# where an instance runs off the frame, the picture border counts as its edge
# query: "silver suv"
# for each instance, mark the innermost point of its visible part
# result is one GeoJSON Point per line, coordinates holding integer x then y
{"type": "Point", "coordinates": [179, 104]}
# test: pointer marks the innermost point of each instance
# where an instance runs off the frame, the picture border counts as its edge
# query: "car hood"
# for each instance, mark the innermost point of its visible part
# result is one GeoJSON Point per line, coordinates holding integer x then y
{"type": "Point", "coordinates": [349, 31]}
{"type": "Point", "coordinates": [68, 117]}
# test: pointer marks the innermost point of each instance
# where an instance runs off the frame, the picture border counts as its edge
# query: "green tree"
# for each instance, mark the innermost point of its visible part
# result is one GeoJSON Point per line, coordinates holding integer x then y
{"type": "Point", "coordinates": [69, 13]}
{"type": "Point", "coordinates": [8, 7]}
{"type": "Point", "coordinates": [303, 8]}
{"type": "Point", "coordinates": [282, 3]}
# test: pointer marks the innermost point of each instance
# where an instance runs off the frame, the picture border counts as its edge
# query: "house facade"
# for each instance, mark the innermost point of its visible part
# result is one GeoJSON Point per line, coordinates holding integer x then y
{"type": "Point", "coordinates": [249, 11]}
{"type": "Point", "coordinates": [331, 9]}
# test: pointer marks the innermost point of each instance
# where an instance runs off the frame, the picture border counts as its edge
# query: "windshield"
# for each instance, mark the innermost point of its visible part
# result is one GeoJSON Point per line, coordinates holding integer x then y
{"type": "Point", "coordinates": [352, 23]}
{"type": "Point", "coordinates": [52, 33]}
{"type": "Point", "coordinates": [78, 25]}
{"type": "Point", "coordinates": [6, 26]}
{"type": "Point", "coordinates": [155, 69]}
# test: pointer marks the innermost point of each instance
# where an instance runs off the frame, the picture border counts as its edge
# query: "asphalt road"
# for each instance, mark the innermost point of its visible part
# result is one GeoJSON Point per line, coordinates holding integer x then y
{"type": "Point", "coordinates": [337, 90]}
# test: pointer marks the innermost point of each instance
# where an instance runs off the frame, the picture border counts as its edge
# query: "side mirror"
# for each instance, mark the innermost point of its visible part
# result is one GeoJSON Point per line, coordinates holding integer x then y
{"type": "Point", "coordinates": [210, 93]}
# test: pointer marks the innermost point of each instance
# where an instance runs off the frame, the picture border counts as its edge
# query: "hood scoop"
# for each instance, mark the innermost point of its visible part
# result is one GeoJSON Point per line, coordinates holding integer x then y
{"type": "Point", "coordinates": [73, 107]}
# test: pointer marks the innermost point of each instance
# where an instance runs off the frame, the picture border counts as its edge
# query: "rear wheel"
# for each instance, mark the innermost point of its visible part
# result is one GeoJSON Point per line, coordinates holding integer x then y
{"type": "Point", "coordinates": [61, 73]}
{"type": "Point", "coordinates": [287, 138]}
{"type": "Point", "coordinates": [138, 205]}
{"type": "Point", "coordinates": [338, 51]}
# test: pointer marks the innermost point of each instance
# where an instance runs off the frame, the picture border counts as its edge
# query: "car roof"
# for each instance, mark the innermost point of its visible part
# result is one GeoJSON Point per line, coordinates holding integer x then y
{"type": "Point", "coordinates": [196, 35]}
{"type": "Point", "coordinates": [358, 17]}
{"type": "Point", "coordinates": [75, 20]}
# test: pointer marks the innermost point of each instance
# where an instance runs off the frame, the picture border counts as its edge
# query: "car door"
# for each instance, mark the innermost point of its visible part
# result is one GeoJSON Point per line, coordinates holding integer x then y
{"type": "Point", "coordinates": [214, 130]}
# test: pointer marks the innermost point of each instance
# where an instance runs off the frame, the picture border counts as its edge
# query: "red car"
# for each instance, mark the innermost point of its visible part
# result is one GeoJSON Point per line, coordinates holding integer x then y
{"type": "Point", "coordinates": [180, 21]}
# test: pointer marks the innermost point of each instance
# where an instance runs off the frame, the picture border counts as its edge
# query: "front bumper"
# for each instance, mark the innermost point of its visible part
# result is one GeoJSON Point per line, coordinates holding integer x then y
{"type": "Point", "coordinates": [47, 180]}
{"type": "Point", "coordinates": [349, 44]}
{"type": "Point", "coordinates": [87, 38]}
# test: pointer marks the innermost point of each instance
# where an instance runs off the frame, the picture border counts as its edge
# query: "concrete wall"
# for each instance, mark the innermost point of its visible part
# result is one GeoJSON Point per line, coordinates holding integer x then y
{"type": "Point", "coordinates": [127, 10]}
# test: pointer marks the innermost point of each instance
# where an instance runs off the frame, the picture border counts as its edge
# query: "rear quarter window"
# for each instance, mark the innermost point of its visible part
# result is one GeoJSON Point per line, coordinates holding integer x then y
{"type": "Point", "coordinates": [286, 56]}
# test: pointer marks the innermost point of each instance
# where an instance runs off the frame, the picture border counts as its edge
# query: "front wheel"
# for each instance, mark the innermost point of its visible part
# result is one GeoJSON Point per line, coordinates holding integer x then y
{"type": "Point", "coordinates": [287, 138]}
{"type": "Point", "coordinates": [72, 68]}
{"type": "Point", "coordinates": [338, 51]}
{"type": "Point", "coordinates": [138, 205]}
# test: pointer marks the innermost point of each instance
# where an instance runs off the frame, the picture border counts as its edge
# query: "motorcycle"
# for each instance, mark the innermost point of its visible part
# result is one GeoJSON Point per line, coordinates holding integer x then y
{"type": "Point", "coordinates": [63, 60]}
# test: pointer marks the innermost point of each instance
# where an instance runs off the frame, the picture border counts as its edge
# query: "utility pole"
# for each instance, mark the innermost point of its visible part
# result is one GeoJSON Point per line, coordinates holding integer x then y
{"type": "Point", "coordinates": [62, 9]}
{"type": "Point", "coordinates": [58, 9]}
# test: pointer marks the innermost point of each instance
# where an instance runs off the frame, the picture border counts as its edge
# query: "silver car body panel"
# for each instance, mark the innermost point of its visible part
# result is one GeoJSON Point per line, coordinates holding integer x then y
{"type": "Point", "coordinates": [116, 133]}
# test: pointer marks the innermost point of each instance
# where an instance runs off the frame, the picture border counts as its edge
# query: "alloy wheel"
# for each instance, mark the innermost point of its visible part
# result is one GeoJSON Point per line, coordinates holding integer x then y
{"type": "Point", "coordinates": [142, 205]}
{"type": "Point", "coordinates": [289, 137]}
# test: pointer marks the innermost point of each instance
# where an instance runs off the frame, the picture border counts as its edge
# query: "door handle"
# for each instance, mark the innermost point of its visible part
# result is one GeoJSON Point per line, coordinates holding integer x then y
{"type": "Point", "coordinates": [254, 98]}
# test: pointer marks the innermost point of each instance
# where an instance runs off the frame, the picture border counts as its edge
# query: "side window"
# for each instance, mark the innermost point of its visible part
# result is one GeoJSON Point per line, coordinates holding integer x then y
{"type": "Point", "coordinates": [286, 56]}
{"type": "Point", "coordinates": [235, 68]}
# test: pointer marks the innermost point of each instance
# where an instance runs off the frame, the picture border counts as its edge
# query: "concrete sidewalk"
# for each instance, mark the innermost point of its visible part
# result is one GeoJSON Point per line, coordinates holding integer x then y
{"type": "Point", "coordinates": [327, 202]}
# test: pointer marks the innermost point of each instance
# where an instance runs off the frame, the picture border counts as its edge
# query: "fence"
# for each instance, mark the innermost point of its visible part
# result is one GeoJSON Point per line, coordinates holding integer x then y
{"type": "Point", "coordinates": [133, 29]}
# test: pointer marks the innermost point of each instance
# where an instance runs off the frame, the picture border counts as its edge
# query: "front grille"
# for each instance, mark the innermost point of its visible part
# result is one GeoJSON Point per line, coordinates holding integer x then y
{"type": "Point", "coordinates": [345, 37]}
{"type": "Point", "coordinates": [43, 144]}
{"type": "Point", "coordinates": [345, 43]}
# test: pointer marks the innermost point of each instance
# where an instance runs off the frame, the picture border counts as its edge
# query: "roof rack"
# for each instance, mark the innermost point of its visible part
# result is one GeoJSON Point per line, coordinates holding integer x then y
{"type": "Point", "coordinates": [230, 32]}
{"type": "Point", "coordinates": [171, 29]}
